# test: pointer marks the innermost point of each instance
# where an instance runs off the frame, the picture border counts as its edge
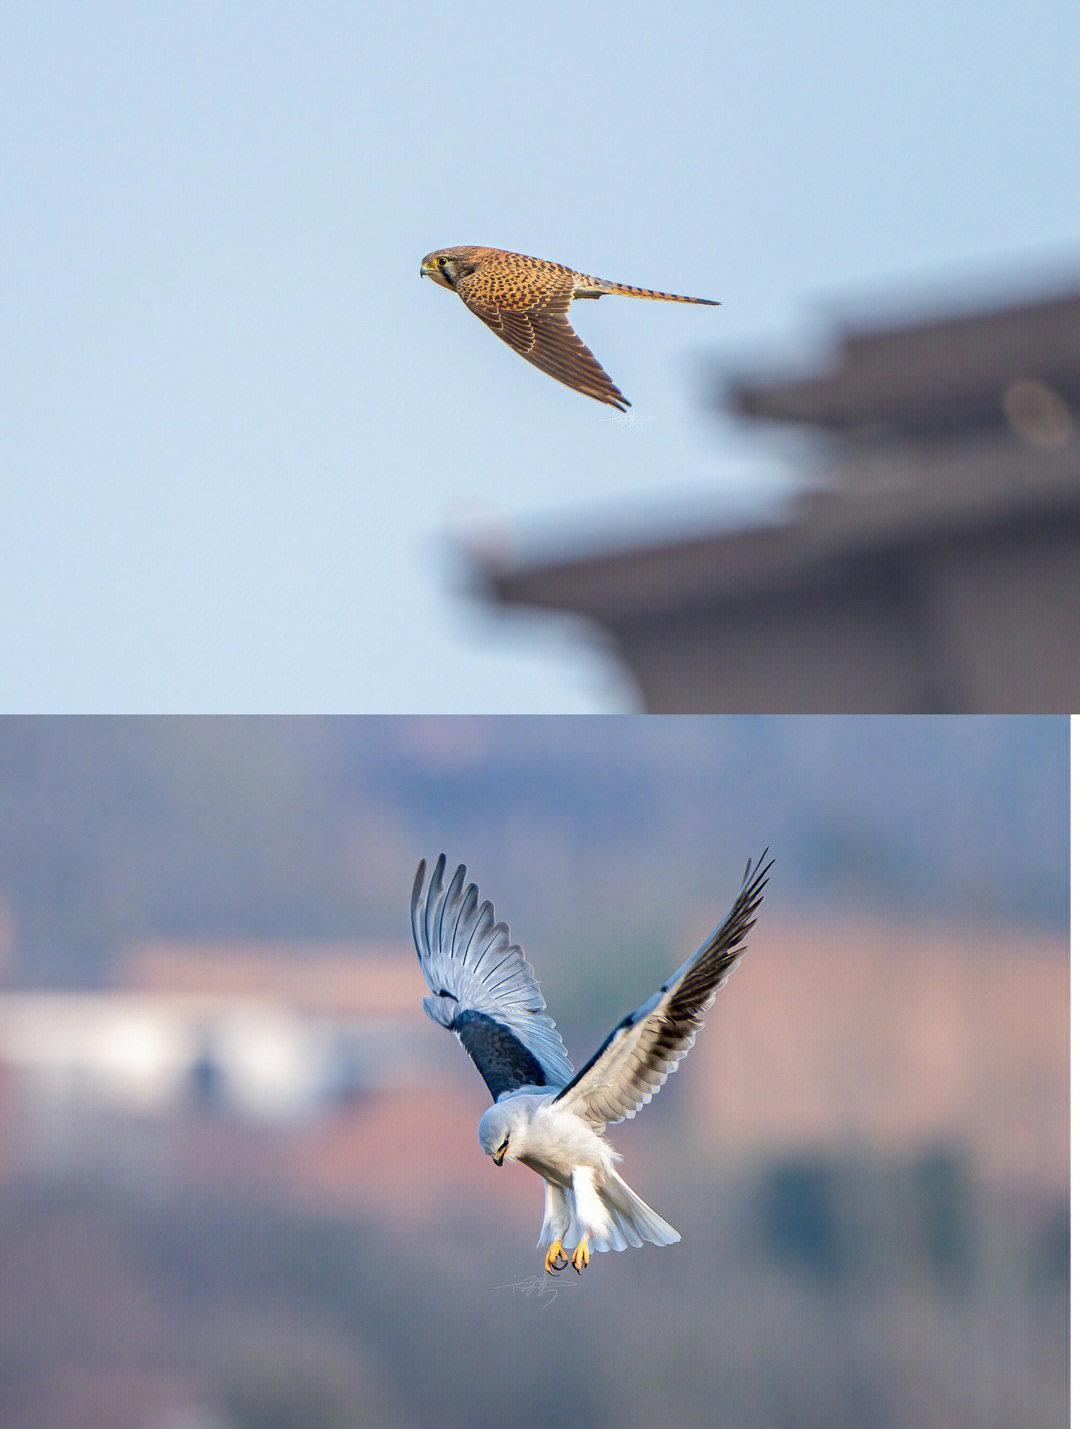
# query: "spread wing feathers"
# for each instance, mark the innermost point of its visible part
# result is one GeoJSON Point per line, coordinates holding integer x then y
{"type": "Point", "coordinates": [635, 1061]}
{"type": "Point", "coordinates": [544, 337]}
{"type": "Point", "coordinates": [484, 989]}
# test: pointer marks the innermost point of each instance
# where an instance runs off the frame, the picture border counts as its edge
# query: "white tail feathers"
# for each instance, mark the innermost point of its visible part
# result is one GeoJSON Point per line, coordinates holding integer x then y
{"type": "Point", "coordinates": [632, 1221]}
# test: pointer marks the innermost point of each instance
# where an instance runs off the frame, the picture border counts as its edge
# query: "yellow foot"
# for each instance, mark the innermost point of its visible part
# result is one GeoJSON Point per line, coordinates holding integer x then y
{"type": "Point", "coordinates": [555, 1260]}
{"type": "Point", "coordinates": [580, 1258]}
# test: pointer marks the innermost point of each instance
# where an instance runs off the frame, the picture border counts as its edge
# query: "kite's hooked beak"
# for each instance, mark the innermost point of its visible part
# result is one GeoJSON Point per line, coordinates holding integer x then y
{"type": "Point", "coordinates": [497, 1156]}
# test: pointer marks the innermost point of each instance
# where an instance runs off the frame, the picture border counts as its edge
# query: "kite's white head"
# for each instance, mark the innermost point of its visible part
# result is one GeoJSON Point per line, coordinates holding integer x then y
{"type": "Point", "coordinates": [502, 1130]}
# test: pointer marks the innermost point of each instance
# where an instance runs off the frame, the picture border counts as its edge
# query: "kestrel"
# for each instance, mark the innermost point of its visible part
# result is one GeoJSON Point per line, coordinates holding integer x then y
{"type": "Point", "coordinates": [525, 301]}
{"type": "Point", "coordinates": [544, 1115]}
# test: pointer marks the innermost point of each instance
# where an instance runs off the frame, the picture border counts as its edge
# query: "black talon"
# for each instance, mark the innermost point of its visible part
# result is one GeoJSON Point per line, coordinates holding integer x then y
{"type": "Point", "coordinates": [559, 1263]}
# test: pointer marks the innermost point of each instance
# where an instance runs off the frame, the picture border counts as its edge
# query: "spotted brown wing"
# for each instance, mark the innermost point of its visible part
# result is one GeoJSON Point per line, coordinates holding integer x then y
{"type": "Point", "coordinates": [543, 336]}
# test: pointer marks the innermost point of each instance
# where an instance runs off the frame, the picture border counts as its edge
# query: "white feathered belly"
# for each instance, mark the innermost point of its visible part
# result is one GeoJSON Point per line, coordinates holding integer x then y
{"type": "Point", "coordinates": [558, 1141]}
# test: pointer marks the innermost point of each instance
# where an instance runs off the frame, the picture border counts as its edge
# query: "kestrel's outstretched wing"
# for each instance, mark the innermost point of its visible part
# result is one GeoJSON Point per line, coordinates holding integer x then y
{"type": "Point", "coordinates": [636, 1059]}
{"type": "Point", "coordinates": [542, 334]}
{"type": "Point", "coordinates": [483, 988]}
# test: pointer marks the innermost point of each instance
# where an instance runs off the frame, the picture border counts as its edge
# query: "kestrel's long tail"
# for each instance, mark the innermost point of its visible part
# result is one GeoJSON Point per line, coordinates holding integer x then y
{"type": "Point", "coordinates": [629, 292]}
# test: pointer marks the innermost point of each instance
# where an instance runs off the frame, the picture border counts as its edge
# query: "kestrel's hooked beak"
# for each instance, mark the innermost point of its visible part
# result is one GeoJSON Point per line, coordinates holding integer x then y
{"type": "Point", "coordinates": [433, 267]}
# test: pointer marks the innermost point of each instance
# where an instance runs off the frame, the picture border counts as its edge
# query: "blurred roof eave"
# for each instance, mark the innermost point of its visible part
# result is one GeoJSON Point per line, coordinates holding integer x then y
{"type": "Point", "coordinates": [929, 373]}
{"type": "Point", "coordinates": [951, 445]}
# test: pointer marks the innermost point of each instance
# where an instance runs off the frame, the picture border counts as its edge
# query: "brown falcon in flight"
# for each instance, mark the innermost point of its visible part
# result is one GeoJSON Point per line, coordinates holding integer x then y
{"type": "Point", "coordinates": [525, 301]}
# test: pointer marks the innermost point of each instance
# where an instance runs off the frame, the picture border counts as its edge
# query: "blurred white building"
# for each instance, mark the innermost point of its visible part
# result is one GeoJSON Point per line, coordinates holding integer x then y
{"type": "Point", "coordinates": [149, 1052]}
{"type": "Point", "coordinates": [202, 1034]}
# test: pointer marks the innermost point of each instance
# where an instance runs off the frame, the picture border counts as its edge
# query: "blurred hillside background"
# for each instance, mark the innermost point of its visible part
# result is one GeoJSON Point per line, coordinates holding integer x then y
{"type": "Point", "coordinates": [239, 1179]}
{"type": "Point", "coordinates": [229, 407]}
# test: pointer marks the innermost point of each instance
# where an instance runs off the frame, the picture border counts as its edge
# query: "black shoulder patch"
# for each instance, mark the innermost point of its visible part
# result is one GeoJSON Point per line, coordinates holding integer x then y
{"type": "Point", "coordinates": [502, 1060]}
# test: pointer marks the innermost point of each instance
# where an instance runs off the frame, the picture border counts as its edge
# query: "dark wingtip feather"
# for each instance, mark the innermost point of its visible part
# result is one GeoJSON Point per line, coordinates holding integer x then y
{"type": "Point", "coordinates": [754, 882]}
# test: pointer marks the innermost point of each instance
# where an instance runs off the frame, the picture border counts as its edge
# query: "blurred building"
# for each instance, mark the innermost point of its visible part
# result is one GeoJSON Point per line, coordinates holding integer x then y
{"type": "Point", "coordinates": [892, 1036]}
{"type": "Point", "coordinates": [284, 1066]}
{"type": "Point", "coordinates": [275, 1036]}
{"type": "Point", "coordinates": [934, 567]}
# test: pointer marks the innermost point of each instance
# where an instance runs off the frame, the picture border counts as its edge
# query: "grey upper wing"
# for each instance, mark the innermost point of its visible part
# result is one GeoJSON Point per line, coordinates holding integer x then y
{"type": "Point", "coordinates": [634, 1062]}
{"type": "Point", "coordinates": [483, 988]}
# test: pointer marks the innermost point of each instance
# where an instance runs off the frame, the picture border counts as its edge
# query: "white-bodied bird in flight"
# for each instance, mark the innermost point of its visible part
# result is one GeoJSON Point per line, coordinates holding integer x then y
{"type": "Point", "coordinates": [544, 1115]}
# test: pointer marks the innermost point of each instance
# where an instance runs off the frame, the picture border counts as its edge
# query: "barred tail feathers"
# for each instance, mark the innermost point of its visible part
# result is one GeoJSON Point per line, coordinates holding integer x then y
{"type": "Point", "coordinates": [627, 291]}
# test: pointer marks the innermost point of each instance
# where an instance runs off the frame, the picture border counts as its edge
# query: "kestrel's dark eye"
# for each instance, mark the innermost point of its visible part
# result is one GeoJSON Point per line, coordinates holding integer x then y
{"type": "Point", "coordinates": [442, 262]}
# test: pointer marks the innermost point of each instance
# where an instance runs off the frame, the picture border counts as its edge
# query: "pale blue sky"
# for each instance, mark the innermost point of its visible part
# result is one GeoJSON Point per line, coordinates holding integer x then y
{"type": "Point", "coordinates": [236, 426]}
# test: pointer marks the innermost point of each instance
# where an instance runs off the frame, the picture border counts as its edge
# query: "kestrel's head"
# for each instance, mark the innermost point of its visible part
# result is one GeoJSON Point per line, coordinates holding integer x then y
{"type": "Point", "coordinates": [447, 265]}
